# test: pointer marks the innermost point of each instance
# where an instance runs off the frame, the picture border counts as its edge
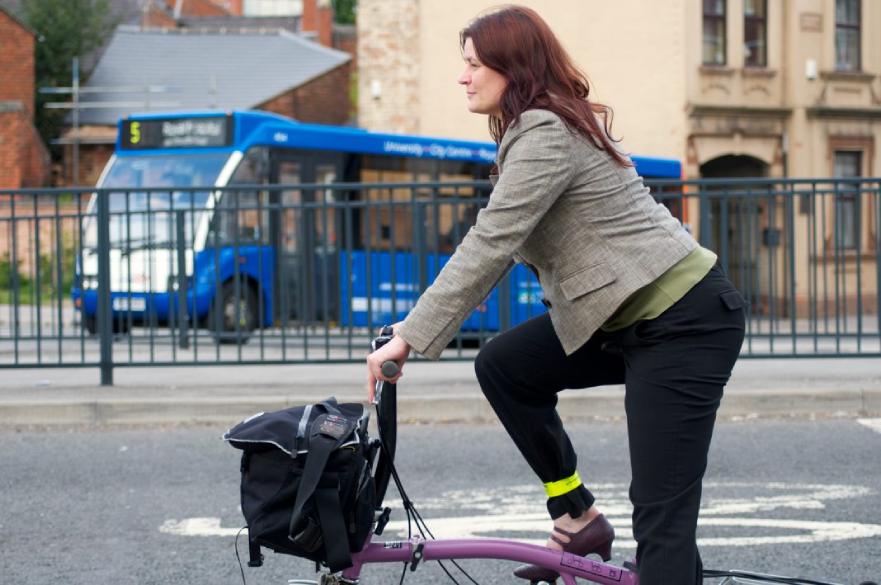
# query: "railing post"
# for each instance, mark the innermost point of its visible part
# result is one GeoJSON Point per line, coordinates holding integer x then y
{"type": "Point", "coordinates": [419, 245]}
{"type": "Point", "coordinates": [704, 203]}
{"type": "Point", "coordinates": [14, 276]}
{"type": "Point", "coordinates": [105, 314]}
{"type": "Point", "coordinates": [183, 340]}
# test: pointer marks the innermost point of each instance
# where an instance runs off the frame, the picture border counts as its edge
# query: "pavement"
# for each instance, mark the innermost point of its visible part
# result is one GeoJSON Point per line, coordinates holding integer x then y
{"type": "Point", "coordinates": [429, 392]}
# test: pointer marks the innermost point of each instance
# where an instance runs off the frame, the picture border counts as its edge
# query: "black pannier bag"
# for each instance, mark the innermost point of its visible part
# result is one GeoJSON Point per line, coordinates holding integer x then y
{"type": "Point", "coordinates": [307, 488]}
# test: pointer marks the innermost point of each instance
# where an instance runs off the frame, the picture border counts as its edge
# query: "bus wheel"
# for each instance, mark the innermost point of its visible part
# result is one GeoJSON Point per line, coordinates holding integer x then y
{"type": "Point", "coordinates": [223, 316]}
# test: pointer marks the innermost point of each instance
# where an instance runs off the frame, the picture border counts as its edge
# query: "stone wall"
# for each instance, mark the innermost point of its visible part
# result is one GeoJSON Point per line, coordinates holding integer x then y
{"type": "Point", "coordinates": [388, 58]}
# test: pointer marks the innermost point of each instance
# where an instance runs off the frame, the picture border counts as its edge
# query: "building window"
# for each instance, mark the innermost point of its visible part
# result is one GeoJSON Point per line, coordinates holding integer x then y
{"type": "Point", "coordinates": [755, 36]}
{"type": "Point", "coordinates": [848, 164]}
{"type": "Point", "coordinates": [714, 32]}
{"type": "Point", "coordinates": [847, 35]}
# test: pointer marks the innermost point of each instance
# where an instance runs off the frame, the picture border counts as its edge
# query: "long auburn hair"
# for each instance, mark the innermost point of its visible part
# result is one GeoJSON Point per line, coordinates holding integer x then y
{"type": "Point", "coordinates": [518, 43]}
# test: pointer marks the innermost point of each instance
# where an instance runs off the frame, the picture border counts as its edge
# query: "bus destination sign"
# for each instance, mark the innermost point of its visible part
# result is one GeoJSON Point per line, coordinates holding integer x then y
{"type": "Point", "coordinates": [176, 133]}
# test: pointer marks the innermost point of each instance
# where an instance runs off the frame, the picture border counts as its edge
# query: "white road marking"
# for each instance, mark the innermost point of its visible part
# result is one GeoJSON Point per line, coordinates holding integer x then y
{"type": "Point", "coordinates": [872, 423]}
{"type": "Point", "coordinates": [198, 527]}
{"type": "Point", "coordinates": [518, 512]}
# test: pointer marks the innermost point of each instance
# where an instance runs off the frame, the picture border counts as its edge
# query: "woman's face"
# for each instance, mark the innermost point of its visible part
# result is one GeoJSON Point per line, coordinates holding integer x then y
{"type": "Point", "coordinates": [483, 86]}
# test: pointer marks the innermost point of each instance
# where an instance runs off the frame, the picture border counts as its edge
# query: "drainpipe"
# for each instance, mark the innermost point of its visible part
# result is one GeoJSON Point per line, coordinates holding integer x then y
{"type": "Point", "coordinates": [784, 147]}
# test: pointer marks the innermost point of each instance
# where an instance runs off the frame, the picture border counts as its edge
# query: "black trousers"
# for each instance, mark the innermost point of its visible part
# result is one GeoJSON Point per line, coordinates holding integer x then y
{"type": "Point", "coordinates": [674, 368]}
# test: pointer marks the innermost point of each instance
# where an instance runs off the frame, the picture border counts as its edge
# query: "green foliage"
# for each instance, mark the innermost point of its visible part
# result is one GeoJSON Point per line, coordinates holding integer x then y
{"type": "Point", "coordinates": [26, 283]}
{"type": "Point", "coordinates": [67, 29]}
{"type": "Point", "coordinates": [5, 274]}
{"type": "Point", "coordinates": [344, 11]}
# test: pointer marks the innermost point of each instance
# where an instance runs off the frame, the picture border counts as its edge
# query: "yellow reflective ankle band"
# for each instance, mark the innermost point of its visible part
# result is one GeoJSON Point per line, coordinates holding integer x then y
{"type": "Point", "coordinates": [563, 486]}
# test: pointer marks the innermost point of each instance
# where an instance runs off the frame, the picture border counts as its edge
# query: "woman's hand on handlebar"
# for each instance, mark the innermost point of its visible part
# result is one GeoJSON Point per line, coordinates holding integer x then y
{"type": "Point", "coordinates": [396, 350]}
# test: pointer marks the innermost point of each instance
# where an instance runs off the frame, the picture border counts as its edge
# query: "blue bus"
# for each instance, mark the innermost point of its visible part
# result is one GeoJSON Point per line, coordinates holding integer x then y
{"type": "Point", "coordinates": [261, 252]}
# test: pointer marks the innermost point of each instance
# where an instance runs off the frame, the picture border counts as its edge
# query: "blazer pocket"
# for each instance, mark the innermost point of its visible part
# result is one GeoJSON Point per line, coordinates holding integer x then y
{"type": "Point", "coordinates": [587, 280]}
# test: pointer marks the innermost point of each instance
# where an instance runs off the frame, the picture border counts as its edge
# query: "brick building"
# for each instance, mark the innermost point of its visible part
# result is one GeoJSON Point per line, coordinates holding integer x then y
{"type": "Point", "coordinates": [24, 160]}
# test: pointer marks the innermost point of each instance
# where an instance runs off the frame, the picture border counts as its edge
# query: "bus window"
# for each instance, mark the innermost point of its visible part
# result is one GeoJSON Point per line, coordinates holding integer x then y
{"type": "Point", "coordinates": [304, 229]}
{"type": "Point", "coordinates": [326, 218]}
{"type": "Point", "coordinates": [446, 222]}
{"type": "Point", "coordinates": [390, 226]}
{"type": "Point", "coordinates": [243, 214]}
{"type": "Point", "coordinates": [290, 173]}
{"type": "Point", "coordinates": [455, 217]}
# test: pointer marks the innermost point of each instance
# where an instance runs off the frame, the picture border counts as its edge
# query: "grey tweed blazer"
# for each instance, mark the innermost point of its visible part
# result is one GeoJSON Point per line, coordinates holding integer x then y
{"type": "Point", "coordinates": [587, 227]}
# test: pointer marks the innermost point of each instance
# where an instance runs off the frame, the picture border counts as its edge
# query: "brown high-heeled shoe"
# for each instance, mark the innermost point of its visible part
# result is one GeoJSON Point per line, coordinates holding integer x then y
{"type": "Point", "coordinates": [595, 538]}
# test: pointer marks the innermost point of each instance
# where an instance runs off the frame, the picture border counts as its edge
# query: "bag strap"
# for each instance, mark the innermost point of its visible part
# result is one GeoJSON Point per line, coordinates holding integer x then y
{"type": "Point", "coordinates": [330, 405]}
{"type": "Point", "coordinates": [328, 431]}
{"type": "Point", "coordinates": [333, 528]}
{"type": "Point", "coordinates": [255, 558]}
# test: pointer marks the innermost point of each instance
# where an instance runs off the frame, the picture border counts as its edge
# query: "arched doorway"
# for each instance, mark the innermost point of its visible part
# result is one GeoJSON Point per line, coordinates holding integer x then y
{"type": "Point", "coordinates": [736, 219]}
{"type": "Point", "coordinates": [734, 166]}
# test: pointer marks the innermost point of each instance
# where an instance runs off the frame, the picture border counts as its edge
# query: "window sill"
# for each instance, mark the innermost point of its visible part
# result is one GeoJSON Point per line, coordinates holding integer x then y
{"type": "Point", "coordinates": [717, 70]}
{"type": "Point", "coordinates": [758, 72]}
{"type": "Point", "coordinates": [859, 76]}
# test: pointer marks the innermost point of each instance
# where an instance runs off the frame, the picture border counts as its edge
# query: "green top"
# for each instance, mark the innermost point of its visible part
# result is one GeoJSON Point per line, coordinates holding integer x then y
{"type": "Point", "coordinates": [658, 296]}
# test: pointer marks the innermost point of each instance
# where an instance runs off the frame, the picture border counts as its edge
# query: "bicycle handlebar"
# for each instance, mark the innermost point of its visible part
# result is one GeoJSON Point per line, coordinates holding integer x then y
{"type": "Point", "coordinates": [390, 369]}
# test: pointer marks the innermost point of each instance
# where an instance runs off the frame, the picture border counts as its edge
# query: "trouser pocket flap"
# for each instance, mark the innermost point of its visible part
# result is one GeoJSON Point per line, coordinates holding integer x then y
{"type": "Point", "coordinates": [732, 299]}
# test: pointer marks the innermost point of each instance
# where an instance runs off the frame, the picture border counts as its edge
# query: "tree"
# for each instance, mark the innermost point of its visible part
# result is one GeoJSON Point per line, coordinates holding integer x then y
{"type": "Point", "coordinates": [344, 11]}
{"type": "Point", "coordinates": [67, 29]}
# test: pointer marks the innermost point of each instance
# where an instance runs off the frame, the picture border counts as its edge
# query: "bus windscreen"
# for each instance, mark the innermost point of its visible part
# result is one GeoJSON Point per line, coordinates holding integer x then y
{"type": "Point", "coordinates": [144, 218]}
{"type": "Point", "coordinates": [192, 170]}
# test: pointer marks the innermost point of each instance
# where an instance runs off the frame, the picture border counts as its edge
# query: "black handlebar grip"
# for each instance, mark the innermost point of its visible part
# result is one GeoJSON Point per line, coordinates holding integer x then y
{"type": "Point", "coordinates": [390, 369]}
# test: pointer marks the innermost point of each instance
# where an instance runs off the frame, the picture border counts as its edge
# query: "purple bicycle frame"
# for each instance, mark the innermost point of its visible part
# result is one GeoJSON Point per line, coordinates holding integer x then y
{"type": "Point", "coordinates": [568, 565]}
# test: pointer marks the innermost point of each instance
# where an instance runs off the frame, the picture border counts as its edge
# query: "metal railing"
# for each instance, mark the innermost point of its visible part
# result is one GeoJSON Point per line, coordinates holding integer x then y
{"type": "Point", "coordinates": [259, 274]}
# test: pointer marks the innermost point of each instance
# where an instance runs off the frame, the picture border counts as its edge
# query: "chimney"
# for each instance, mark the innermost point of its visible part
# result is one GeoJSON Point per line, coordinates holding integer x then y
{"type": "Point", "coordinates": [318, 18]}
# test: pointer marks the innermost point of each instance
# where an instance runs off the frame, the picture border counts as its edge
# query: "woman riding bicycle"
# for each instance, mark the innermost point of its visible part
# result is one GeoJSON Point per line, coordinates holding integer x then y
{"type": "Point", "coordinates": [632, 298]}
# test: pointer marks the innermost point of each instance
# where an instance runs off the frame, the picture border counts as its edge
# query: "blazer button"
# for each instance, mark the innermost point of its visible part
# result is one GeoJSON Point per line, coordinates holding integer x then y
{"type": "Point", "coordinates": [546, 303]}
